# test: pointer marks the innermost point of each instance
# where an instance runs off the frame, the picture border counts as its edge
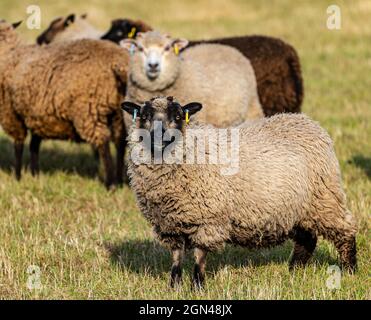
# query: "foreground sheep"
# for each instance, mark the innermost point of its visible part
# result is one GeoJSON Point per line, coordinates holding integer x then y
{"type": "Point", "coordinates": [288, 187]}
{"type": "Point", "coordinates": [276, 63]}
{"type": "Point", "coordinates": [62, 91]}
{"type": "Point", "coordinates": [219, 76]}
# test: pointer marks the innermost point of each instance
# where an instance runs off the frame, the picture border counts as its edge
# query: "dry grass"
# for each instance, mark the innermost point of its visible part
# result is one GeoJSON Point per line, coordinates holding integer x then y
{"type": "Point", "coordinates": [90, 243]}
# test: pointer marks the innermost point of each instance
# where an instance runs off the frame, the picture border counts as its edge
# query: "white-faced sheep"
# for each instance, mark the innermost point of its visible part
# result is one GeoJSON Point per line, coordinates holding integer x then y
{"type": "Point", "coordinates": [288, 186]}
{"type": "Point", "coordinates": [63, 91]}
{"type": "Point", "coordinates": [218, 76]}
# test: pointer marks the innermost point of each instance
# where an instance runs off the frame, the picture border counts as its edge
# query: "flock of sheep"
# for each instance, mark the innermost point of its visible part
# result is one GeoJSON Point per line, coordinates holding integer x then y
{"type": "Point", "coordinates": [77, 81]}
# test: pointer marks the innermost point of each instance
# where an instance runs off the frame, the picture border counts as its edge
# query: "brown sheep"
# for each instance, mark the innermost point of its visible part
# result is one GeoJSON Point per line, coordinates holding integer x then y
{"type": "Point", "coordinates": [68, 91]}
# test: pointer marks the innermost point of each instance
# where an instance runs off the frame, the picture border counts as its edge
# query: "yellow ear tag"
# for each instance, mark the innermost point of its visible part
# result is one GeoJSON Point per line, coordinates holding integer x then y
{"type": "Point", "coordinates": [187, 116]}
{"type": "Point", "coordinates": [132, 32]}
{"type": "Point", "coordinates": [176, 49]}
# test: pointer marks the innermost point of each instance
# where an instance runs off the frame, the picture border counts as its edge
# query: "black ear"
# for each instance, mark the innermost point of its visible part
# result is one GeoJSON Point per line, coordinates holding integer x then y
{"type": "Point", "coordinates": [192, 108]}
{"type": "Point", "coordinates": [130, 107]}
{"type": "Point", "coordinates": [16, 24]}
{"type": "Point", "coordinates": [70, 19]}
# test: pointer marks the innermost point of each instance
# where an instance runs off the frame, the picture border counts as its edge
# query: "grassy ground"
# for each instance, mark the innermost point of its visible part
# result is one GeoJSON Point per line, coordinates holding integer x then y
{"type": "Point", "coordinates": [90, 243]}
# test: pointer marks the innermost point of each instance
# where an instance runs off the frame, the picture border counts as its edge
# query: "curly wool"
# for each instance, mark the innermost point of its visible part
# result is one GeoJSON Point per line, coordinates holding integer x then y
{"type": "Point", "coordinates": [63, 91]}
{"type": "Point", "coordinates": [289, 178]}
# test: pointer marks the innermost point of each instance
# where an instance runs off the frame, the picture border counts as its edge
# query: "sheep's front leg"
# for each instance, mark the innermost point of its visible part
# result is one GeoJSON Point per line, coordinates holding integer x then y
{"type": "Point", "coordinates": [199, 269]}
{"type": "Point", "coordinates": [34, 151]}
{"type": "Point", "coordinates": [105, 155]}
{"type": "Point", "coordinates": [18, 151]}
{"type": "Point", "coordinates": [176, 269]}
{"type": "Point", "coordinates": [121, 176]}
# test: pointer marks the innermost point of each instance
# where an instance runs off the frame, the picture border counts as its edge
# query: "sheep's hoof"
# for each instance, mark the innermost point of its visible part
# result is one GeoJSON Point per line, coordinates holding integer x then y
{"type": "Point", "coordinates": [176, 277]}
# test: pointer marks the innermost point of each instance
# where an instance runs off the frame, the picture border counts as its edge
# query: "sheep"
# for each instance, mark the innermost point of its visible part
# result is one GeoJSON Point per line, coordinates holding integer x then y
{"type": "Point", "coordinates": [276, 64]}
{"type": "Point", "coordinates": [219, 76]}
{"type": "Point", "coordinates": [70, 28]}
{"type": "Point", "coordinates": [288, 186]}
{"type": "Point", "coordinates": [69, 91]}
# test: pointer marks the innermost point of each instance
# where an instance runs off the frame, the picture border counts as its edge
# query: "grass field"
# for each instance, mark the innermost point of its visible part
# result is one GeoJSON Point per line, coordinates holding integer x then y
{"type": "Point", "coordinates": [94, 244]}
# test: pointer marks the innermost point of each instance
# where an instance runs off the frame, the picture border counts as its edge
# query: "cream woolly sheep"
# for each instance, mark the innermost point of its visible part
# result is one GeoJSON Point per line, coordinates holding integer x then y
{"type": "Point", "coordinates": [288, 187]}
{"type": "Point", "coordinates": [70, 28]}
{"type": "Point", "coordinates": [218, 76]}
{"type": "Point", "coordinates": [62, 91]}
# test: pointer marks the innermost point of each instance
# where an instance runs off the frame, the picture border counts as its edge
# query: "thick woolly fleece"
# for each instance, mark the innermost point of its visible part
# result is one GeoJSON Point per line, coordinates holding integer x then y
{"type": "Point", "coordinates": [62, 91]}
{"type": "Point", "coordinates": [218, 76]}
{"type": "Point", "coordinates": [275, 62]}
{"type": "Point", "coordinates": [277, 70]}
{"type": "Point", "coordinates": [289, 181]}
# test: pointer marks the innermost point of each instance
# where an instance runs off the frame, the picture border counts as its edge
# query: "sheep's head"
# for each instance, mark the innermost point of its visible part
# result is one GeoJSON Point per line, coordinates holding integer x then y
{"type": "Point", "coordinates": [57, 27]}
{"type": "Point", "coordinates": [125, 28]}
{"type": "Point", "coordinates": [8, 35]}
{"type": "Point", "coordinates": [155, 60]}
{"type": "Point", "coordinates": [160, 117]}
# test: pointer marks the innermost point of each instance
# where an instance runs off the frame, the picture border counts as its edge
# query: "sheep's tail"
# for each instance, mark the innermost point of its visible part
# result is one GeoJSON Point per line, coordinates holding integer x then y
{"type": "Point", "coordinates": [295, 70]}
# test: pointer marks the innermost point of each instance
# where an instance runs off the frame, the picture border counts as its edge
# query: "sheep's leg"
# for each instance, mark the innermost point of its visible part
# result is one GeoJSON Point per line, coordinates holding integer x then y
{"type": "Point", "coordinates": [18, 151]}
{"type": "Point", "coordinates": [95, 154]}
{"type": "Point", "coordinates": [199, 268]}
{"type": "Point", "coordinates": [120, 166]}
{"type": "Point", "coordinates": [176, 268]}
{"type": "Point", "coordinates": [34, 150]}
{"type": "Point", "coordinates": [105, 155]}
{"type": "Point", "coordinates": [347, 249]}
{"type": "Point", "coordinates": [305, 243]}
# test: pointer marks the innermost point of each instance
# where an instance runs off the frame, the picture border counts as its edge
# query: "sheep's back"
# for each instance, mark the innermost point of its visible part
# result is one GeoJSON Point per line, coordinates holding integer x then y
{"type": "Point", "coordinates": [221, 78]}
{"type": "Point", "coordinates": [65, 82]}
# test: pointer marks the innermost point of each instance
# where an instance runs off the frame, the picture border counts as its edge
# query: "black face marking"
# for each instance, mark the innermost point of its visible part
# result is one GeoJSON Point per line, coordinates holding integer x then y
{"type": "Point", "coordinates": [120, 29]}
{"type": "Point", "coordinates": [146, 114]}
{"type": "Point", "coordinates": [175, 114]}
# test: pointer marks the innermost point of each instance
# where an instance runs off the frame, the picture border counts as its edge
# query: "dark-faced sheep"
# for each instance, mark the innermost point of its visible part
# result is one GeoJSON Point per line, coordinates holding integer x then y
{"type": "Point", "coordinates": [287, 186]}
{"type": "Point", "coordinates": [64, 91]}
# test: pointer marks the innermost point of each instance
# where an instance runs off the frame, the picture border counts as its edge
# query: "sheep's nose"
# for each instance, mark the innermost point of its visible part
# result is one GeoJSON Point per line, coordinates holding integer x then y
{"type": "Point", "coordinates": [153, 65]}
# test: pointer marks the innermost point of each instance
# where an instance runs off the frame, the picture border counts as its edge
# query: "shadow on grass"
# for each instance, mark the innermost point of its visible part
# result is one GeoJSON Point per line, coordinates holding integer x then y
{"type": "Point", "coordinates": [52, 159]}
{"type": "Point", "coordinates": [362, 162]}
{"type": "Point", "coordinates": [146, 256]}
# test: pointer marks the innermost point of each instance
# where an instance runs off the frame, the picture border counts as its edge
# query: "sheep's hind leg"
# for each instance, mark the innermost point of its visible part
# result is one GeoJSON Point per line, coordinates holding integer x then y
{"type": "Point", "coordinates": [176, 268]}
{"type": "Point", "coordinates": [34, 150]}
{"type": "Point", "coordinates": [305, 243]}
{"type": "Point", "coordinates": [199, 268]}
{"type": "Point", "coordinates": [18, 151]}
{"type": "Point", "coordinates": [105, 155]}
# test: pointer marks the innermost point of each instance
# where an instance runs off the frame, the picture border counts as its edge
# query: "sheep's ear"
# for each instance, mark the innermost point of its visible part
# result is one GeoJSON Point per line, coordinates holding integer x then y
{"type": "Point", "coordinates": [130, 107]}
{"type": "Point", "coordinates": [16, 24]}
{"type": "Point", "coordinates": [180, 43]}
{"type": "Point", "coordinates": [128, 44]}
{"type": "Point", "coordinates": [192, 108]}
{"type": "Point", "coordinates": [70, 19]}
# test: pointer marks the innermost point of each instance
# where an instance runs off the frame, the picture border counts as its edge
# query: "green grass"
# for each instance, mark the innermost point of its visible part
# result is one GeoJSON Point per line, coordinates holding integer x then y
{"type": "Point", "coordinates": [94, 244]}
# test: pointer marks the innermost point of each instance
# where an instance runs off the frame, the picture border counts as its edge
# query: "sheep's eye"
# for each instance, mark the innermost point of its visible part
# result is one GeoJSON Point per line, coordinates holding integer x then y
{"type": "Point", "coordinates": [140, 49]}
{"type": "Point", "coordinates": [119, 33]}
{"type": "Point", "coordinates": [144, 117]}
{"type": "Point", "coordinates": [167, 48]}
{"type": "Point", "coordinates": [177, 118]}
